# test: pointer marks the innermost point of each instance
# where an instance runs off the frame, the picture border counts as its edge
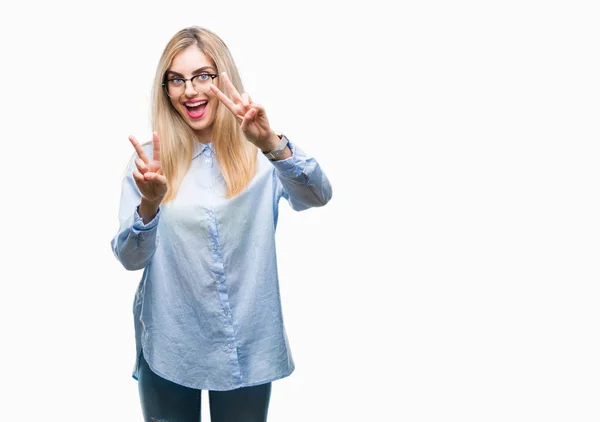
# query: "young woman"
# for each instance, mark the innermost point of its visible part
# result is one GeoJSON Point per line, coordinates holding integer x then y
{"type": "Point", "coordinates": [198, 214]}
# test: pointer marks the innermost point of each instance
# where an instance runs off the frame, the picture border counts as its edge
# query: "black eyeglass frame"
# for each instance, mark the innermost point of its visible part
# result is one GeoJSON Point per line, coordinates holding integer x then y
{"type": "Point", "coordinates": [166, 88]}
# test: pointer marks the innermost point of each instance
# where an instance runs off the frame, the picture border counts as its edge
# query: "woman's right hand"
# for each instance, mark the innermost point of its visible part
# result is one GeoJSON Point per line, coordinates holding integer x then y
{"type": "Point", "coordinates": [148, 174]}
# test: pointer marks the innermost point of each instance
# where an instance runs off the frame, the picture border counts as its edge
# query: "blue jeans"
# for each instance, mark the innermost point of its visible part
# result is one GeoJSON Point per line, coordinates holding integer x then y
{"type": "Point", "coordinates": [165, 401]}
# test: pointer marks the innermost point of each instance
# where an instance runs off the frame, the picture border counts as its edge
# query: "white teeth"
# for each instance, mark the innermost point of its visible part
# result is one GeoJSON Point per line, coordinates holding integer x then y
{"type": "Point", "coordinates": [199, 103]}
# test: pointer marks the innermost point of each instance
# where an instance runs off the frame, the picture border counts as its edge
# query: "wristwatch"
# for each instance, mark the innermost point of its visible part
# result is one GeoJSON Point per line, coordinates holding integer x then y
{"type": "Point", "coordinates": [279, 150]}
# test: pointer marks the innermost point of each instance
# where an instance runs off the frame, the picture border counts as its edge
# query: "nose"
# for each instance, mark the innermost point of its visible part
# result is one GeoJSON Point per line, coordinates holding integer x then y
{"type": "Point", "coordinates": [190, 91]}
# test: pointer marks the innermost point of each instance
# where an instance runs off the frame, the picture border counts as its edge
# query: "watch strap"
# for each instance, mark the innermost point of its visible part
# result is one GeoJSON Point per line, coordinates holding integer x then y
{"type": "Point", "coordinates": [279, 149]}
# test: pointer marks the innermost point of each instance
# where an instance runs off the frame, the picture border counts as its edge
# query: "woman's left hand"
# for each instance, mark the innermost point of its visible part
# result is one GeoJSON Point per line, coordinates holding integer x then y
{"type": "Point", "coordinates": [251, 116]}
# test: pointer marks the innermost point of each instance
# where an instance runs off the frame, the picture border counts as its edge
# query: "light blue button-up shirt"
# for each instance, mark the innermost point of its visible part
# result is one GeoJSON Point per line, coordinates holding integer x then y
{"type": "Point", "coordinates": [207, 311]}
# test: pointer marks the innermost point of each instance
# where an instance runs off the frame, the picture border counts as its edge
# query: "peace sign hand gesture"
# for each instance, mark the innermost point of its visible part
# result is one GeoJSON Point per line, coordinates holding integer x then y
{"type": "Point", "coordinates": [148, 174]}
{"type": "Point", "coordinates": [252, 116]}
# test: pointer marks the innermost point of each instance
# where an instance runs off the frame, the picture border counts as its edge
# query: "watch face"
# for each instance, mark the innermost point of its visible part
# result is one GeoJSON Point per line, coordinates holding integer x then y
{"type": "Point", "coordinates": [274, 154]}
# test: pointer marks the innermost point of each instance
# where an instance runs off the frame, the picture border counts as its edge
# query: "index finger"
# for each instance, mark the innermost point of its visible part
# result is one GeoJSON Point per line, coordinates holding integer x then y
{"type": "Point", "coordinates": [138, 149]}
{"type": "Point", "coordinates": [155, 147]}
{"type": "Point", "coordinates": [231, 89]}
{"type": "Point", "coordinates": [224, 99]}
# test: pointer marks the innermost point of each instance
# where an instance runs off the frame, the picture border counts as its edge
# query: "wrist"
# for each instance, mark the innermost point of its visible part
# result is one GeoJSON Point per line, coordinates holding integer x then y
{"type": "Point", "coordinates": [148, 210]}
{"type": "Point", "coordinates": [271, 143]}
{"type": "Point", "coordinates": [279, 152]}
{"type": "Point", "coordinates": [148, 203]}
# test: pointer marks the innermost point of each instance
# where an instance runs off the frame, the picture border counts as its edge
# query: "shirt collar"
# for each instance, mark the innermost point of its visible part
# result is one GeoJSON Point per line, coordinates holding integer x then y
{"type": "Point", "coordinates": [203, 149]}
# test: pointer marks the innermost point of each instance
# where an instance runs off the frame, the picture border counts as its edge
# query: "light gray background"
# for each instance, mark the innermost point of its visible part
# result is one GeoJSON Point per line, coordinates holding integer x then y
{"type": "Point", "coordinates": [453, 277]}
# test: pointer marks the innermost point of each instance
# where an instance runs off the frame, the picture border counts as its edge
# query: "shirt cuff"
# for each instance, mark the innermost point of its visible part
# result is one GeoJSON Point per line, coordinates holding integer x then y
{"type": "Point", "coordinates": [292, 166]}
{"type": "Point", "coordinates": [138, 222]}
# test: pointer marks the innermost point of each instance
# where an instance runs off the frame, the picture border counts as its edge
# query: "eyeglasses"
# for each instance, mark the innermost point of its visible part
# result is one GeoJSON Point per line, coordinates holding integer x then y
{"type": "Point", "coordinates": [175, 87]}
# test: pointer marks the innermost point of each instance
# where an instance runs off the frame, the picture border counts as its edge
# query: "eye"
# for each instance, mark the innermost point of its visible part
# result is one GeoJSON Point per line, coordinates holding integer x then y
{"type": "Point", "coordinates": [177, 81]}
{"type": "Point", "coordinates": [203, 77]}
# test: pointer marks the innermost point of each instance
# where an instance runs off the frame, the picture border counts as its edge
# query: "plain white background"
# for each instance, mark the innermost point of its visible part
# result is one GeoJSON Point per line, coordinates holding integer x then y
{"type": "Point", "coordinates": [454, 275]}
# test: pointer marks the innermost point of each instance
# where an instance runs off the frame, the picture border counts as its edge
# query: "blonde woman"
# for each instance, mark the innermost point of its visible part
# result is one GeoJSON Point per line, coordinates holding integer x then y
{"type": "Point", "coordinates": [198, 214]}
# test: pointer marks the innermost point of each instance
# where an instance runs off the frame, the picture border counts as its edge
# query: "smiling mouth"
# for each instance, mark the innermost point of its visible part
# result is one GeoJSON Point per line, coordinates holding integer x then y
{"type": "Point", "coordinates": [196, 109]}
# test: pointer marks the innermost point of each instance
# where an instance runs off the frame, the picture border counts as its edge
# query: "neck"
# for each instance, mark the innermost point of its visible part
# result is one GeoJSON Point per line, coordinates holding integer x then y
{"type": "Point", "coordinates": [204, 136]}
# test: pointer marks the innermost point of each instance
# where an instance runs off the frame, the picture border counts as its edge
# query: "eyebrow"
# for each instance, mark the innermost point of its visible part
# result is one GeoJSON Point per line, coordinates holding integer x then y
{"type": "Point", "coordinates": [194, 72]}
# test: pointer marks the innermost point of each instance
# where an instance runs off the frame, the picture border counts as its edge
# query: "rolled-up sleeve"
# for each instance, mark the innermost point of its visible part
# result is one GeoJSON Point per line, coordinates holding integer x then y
{"type": "Point", "coordinates": [303, 183]}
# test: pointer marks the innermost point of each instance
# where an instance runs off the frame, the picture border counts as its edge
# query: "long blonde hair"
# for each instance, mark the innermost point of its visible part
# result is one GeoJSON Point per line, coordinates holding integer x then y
{"type": "Point", "coordinates": [236, 156]}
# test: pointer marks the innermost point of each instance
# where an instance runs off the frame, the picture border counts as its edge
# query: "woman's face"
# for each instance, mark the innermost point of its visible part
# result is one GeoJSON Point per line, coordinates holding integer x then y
{"type": "Point", "coordinates": [197, 105]}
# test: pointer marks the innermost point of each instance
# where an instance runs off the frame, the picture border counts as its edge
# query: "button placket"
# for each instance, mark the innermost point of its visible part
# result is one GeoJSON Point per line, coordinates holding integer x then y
{"type": "Point", "coordinates": [229, 341]}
